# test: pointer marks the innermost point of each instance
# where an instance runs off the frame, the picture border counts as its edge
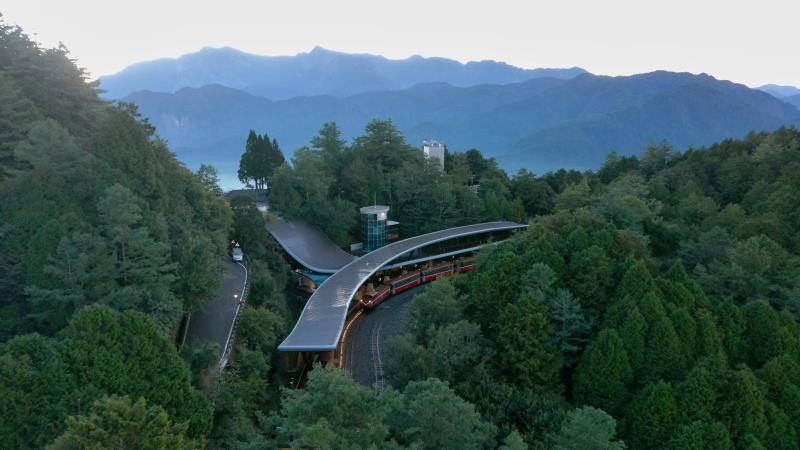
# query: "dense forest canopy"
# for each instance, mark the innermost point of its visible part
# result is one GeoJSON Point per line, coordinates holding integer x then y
{"type": "Point", "coordinates": [662, 291]}
{"type": "Point", "coordinates": [654, 301]}
{"type": "Point", "coordinates": [652, 304]}
{"type": "Point", "coordinates": [106, 243]}
{"type": "Point", "coordinates": [327, 183]}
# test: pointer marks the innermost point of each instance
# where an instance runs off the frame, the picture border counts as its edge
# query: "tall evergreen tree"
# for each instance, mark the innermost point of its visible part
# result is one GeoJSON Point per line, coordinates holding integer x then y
{"type": "Point", "coordinates": [208, 176]}
{"type": "Point", "coordinates": [604, 373]}
{"type": "Point", "coordinates": [260, 160]}
{"type": "Point", "coordinates": [570, 326]}
{"type": "Point", "coordinates": [524, 345]}
{"type": "Point", "coordinates": [652, 417]}
{"type": "Point", "coordinates": [742, 407]}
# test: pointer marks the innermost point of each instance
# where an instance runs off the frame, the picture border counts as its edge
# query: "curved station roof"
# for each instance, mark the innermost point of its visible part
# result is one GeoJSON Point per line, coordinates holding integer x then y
{"type": "Point", "coordinates": [322, 321]}
{"type": "Point", "coordinates": [309, 246]}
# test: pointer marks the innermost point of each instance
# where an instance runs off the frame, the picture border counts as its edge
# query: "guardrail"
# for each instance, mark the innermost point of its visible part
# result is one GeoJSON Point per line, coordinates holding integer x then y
{"type": "Point", "coordinates": [223, 361]}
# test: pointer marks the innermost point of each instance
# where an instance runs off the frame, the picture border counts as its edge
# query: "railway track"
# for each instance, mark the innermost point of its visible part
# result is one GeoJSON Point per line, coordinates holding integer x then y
{"type": "Point", "coordinates": [364, 342]}
{"type": "Point", "coordinates": [377, 364]}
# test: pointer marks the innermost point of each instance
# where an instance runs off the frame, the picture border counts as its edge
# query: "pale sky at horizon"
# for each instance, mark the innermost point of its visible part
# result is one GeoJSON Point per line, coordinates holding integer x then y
{"type": "Point", "coordinates": [754, 45]}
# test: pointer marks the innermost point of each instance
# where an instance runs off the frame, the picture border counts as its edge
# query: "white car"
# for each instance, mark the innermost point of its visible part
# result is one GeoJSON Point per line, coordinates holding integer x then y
{"type": "Point", "coordinates": [237, 255]}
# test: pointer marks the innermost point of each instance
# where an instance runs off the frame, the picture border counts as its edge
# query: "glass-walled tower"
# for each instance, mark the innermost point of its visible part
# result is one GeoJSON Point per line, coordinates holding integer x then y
{"type": "Point", "coordinates": [373, 227]}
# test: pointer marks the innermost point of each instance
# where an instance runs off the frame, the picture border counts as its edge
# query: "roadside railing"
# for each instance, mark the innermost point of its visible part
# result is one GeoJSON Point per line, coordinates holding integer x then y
{"type": "Point", "coordinates": [223, 361]}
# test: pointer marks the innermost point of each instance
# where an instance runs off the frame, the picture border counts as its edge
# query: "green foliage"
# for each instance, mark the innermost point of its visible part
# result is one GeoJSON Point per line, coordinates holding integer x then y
{"type": "Point", "coordinates": [38, 389]}
{"type": "Point", "coordinates": [409, 360]}
{"type": "Point", "coordinates": [100, 352]}
{"type": "Point", "coordinates": [652, 417]}
{"type": "Point", "coordinates": [537, 197]}
{"type": "Point", "coordinates": [742, 407]}
{"type": "Point", "coordinates": [570, 326]}
{"type": "Point", "coordinates": [259, 329]}
{"type": "Point", "coordinates": [524, 345]}
{"type": "Point", "coordinates": [334, 412]}
{"type": "Point", "coordinates": [662, 289]}
{"type": "Point", "coordinates": [687, 277]}
{"type": "Point", "coordinates": [433, 417]}
{"type": "Point", "coordinates": [97, 183]}
{"type": "Point", "coordinates": [326, 184]}
{"type": "Point", "coordinates": [701, 436]}
{"type": "Point", "coordinates": [106, 242]}
{"type": "Point", "coordinates": [207, 176]}
{"type": "Point", "coordinates": [514, 441]}
{"type": "Point", "coordinates": [604, 373]}
{"type": "Point", "coordinates": [259, 161]}
{"type": "Point", "coordinates": [129, 356]}
{"type": "Point", "coordinates": [588, 428]}
{"type": "Point", "coordinates": [116, 422]}
{"type": "Point", "coordinates": [436, 307]}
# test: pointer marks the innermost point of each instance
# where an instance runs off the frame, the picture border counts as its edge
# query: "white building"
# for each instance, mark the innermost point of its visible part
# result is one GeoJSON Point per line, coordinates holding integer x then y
{"type": "Point", "coordinates": [434, 149]}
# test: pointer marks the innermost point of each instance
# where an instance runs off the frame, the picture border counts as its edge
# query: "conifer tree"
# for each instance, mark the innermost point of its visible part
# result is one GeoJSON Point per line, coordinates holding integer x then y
{"type": "Point", "coordinates": [697, 394]}
{"type": "Point", "coordinates": [570, 326]}
{"type": "Point", "coordinates": [652, 417]}
{"type": "Point", "coordinates": [524, 345]}
{"type": "Point", "coordinates": [742, 407]}
{"type": "Point", "coordinates": [604, 373]}
{"type": "Point", "coordinates": [208, 176]}
{"type": "Point", "coordinates": [701, 435]}
{"type": "Point", "coordinates": [633, 333]}
{"type": "Point", "coordinates": [636, 282]}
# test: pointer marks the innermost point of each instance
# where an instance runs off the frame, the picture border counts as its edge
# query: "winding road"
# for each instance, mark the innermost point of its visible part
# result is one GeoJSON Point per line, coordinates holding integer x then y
{"type": "Point", "coordinates": [217, 321]}
{"type": "Point", "coordinates": [364, 354]}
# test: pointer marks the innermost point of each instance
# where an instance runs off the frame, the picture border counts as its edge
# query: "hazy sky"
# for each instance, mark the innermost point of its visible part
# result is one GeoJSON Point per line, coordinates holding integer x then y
{"type": "Point", "coordinates": [752, 42]}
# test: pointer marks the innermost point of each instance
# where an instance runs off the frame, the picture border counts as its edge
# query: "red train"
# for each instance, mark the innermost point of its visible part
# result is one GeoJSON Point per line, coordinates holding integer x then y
{"type": "Point", "coordinates": [415, 278]}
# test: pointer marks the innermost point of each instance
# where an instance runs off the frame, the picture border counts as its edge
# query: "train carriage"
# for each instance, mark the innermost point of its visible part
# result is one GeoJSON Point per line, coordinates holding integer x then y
{"type": "Point", "coordinates": [415, 278]}
{"type": "Point", "coordinates": [405, 282]}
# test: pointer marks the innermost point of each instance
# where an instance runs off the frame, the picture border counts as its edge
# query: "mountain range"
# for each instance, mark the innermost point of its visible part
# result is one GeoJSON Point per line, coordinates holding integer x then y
{"type": "Point", "coordinates": [780, 91]}
{"type": "Point", "coordinates": [318, 72]}
{"type": "Point", "coordinates": [542, 119]}
{"type": "Point", "coordinates": [793, 100]}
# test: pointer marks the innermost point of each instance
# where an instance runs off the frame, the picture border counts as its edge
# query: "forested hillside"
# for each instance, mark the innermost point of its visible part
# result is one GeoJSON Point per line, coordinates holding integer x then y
{"type": "Point", "coordinates": [654, 301]}
{"type": "Point", "coordinates": [327, 183]}
{"type": "Point", "coordinates": [106, 243]}
{"type": "Point", "coordinates": [660, 291]}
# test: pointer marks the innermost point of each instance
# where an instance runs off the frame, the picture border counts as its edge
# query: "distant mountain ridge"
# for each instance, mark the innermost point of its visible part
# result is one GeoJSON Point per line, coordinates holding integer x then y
{"type": "Point", "coordinates": [793, 100]}
{"type": "Point", "coordinates": [780, 91]}
{"type": "Point", "coordinates": [542, 124]}
{"type": "Point", "coordinates": [318, 72]}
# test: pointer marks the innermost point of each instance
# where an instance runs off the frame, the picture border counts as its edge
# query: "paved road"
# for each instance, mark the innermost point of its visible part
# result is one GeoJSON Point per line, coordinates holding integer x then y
{"type": "Point", "coordinates": [365, 342]}
{"type": "Point", "coordinates": [214, 324]}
